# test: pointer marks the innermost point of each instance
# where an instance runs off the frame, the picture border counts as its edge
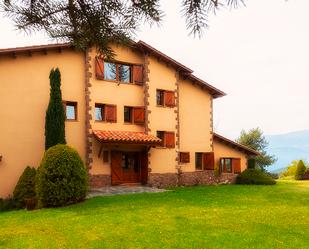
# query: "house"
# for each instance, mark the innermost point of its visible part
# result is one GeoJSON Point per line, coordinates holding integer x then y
{"type": "Point", "coordinates": [141, 118]}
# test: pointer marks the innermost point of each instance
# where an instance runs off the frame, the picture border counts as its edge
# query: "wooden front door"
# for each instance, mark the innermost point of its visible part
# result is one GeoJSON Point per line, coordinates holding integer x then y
{"type": "Point", "coordinates": [125, 167]}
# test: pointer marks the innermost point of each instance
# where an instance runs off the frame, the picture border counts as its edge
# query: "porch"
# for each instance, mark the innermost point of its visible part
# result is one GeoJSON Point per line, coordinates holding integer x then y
{"type": "Point", "coordinates": [125, 155]}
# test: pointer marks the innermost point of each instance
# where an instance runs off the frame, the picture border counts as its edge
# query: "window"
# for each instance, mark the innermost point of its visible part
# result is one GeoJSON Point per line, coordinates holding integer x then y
{"type": "Point", "coordinates": [120, 72]}
{"type": "Point", "coordinates": [129, 162]}
{"type": "Point", "coordinates": [160, 97]}
{"type": "Point", "coordinates": [167, 137]}
{"type": "Point", "coordinates": [204, 161]}
{"type": "Point", "coordinates": [124, 73]}
{"type": "Point", "coordinates": [226, 165]}
{"type": "Point", "coordinates": [165, 98]}
{"type": "Point", "coordinates": [105, 112]}
{"type": "Point", "coordinates": [134, 115]}
{"type": "Point", "coordinates": [184, 157]}
{"type": "Point", "coordinates": [117, 72]}
{"type": "Point", "coordinates": [128, 114]}
{"type": "Point", "coordinates": [99, 112]}
{"type": "Point", "coordinates": [199, 161]}
{"type": "Point", "coordinates": [70, 110]}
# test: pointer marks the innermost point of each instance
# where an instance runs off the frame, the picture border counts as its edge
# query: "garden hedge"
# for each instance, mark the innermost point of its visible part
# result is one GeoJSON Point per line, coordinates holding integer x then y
{"type": "Point", "coordinates": [254, 176]}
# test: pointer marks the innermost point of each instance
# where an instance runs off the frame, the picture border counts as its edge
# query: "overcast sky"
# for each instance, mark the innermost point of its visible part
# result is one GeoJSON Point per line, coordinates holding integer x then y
{"type": "Point", "coordinates": [258, 55]}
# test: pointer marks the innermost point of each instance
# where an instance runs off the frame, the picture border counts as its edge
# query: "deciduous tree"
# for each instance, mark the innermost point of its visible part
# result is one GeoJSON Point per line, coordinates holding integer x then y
{"type": "Point", "coordinates": [255, 140]}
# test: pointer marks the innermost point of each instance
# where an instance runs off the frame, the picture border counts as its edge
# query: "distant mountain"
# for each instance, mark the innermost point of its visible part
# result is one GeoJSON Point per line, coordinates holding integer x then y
{"type": "Point", "coordinates": [288, 147]}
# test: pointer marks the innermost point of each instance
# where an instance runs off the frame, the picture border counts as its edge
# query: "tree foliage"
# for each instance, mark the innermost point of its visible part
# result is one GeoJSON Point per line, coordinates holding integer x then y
{"type": "Point", "coordinates": [55, 117]}
{"type": "Point", "coordinates": [87, 23]}
{"type": "Point", "coordinates": [291, 168]}
{"type": "Point", "coordinates": [255, 140]}
{"type": "Point", "coordinates": [300, 170]}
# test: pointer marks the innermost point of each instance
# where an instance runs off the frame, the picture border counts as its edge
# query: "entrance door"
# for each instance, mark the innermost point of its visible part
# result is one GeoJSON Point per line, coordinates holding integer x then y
{"type": "Point", "coordinates": [125, 167]}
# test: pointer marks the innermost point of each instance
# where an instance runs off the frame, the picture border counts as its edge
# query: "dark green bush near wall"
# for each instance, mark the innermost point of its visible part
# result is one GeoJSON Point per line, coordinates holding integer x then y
{"type": "Point", "coordinates": [25, 187]}
{"type": "Point", "coordinates": [61, 178]}
{"type": "Point", "coordinates": [254, 176]}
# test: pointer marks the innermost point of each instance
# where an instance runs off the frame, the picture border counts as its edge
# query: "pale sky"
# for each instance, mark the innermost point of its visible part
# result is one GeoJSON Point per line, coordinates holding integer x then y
{"type": "Point", "coordinates": [258, 55]}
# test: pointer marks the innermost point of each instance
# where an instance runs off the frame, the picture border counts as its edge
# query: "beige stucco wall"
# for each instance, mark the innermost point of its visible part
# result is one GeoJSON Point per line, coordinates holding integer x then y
{"type": "Point", "coordinates": [24, 96]}
{"type": "Point", "coordinates": [223, 150]}
{"type": "Point", "coordinates": [120, 94]}
{"type": "Point", "coordinates": [161, 76]}
{"type": "Point", "coordinates": [195, 121]}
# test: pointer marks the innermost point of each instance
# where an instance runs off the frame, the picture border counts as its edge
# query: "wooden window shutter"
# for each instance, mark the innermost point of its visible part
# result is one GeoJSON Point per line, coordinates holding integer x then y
{"type": "Point", "coordinates": [169, 138]}
{"type": "Point", "coordinates": [236, 166]}
{"type": "Point", "coordinates": [111, 113]}
{"type": "Point", "coordinates": [138, 74]}
{"type": "Point", "coordinates": [184, 157]}
{"type": "Point", "coordinates": [169, 98]}
{"type": "Point", "coordinates": [139, 115]}
{"type": "Point", "coordinates": [209, 161]}
{"type": "Point", "coordinates": [99, 68]}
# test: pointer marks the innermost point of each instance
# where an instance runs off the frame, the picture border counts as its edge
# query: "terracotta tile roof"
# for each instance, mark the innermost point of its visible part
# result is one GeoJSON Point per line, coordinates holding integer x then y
{"type": "Point", "coordinates": [236, 145]}
{"type": "Point", "coordinates": [128, 137]}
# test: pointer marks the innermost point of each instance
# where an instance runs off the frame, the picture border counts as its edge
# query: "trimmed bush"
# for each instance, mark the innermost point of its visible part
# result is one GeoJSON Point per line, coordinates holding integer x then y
{"type": "Point", "coordinates": [254, 176]}
{"type": "Point", "coordinates": [25, 187]}
{"type": "Point", "coordinates": [300, 170]}
{"type": "Point", "coordinates": [61, 178]}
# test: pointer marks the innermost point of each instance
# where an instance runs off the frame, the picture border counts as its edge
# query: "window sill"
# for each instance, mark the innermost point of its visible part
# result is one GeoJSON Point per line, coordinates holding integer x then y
{"type": "Point", "coordinates": [71, 120]}
{"type": "Point", "coordinates": [120, 82]}
{"type": "Point", "coordinates": [165, 106]}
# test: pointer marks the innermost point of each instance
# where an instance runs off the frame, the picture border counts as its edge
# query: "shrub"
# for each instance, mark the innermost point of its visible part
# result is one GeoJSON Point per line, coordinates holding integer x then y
{"type": "Point", "coordinates": [61, 177]}
{"type": "Point", "coordinates": [7, 204]}
{"type": "Point", "coordinates": [254, 176]}
{"type": "Point", "coordinates": [25, 187]}
{"type": "Point", "coordinates": [306, 175]}
{"type": "Point", "coordinates": [300, 170]}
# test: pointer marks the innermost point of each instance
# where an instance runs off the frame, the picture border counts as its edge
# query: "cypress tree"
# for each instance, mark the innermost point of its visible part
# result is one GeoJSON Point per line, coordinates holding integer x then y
{"type": "Point", "coordinates": [55, 117]}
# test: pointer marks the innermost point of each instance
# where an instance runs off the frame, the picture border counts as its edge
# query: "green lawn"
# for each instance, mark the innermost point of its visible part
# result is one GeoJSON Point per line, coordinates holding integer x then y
{"type": "Point", "coordinates": [230, 216]}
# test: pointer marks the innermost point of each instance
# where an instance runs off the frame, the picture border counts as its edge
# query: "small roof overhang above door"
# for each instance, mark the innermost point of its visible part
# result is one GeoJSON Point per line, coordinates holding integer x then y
{"type": "Point", "coordinates": [126, 137]}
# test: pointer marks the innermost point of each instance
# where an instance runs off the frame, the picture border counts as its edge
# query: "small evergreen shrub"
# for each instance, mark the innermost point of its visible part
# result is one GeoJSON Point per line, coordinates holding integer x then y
{"type": "Point", "coordinates": [25, 187]}
{"type": "Point", "coordinates": [254, 176]}
{"type": "Point", "coordinates": [61, 177]}
{"type": "Point", "coordinates": [8, 204]}
{"type": "Point", "coordinates": [300, 170]}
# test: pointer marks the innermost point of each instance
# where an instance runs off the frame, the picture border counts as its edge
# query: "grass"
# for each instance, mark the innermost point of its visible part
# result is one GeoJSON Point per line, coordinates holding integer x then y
{"type": "Point", "coordinates": [230, 216]}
